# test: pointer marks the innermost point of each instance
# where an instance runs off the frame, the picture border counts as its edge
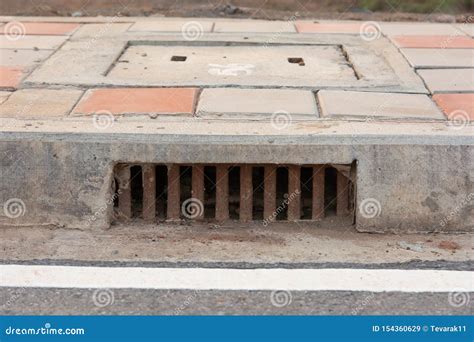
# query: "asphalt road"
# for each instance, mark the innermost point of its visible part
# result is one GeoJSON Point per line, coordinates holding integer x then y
{"type": "Point", "coordinates": [54, 301]}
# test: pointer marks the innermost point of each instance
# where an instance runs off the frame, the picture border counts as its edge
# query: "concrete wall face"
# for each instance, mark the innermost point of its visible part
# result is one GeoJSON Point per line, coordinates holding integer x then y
{"type": "Point", "coordinates": [66, 182]}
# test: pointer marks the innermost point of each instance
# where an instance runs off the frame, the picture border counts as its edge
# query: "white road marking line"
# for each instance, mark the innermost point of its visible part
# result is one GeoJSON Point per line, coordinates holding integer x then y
{"type": "Point", "coordinates": [236, 279]}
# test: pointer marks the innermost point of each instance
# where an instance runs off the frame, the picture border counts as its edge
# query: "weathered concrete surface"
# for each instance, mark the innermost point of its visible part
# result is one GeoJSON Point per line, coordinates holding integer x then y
{"type": "Point", "coordinates": [236, 245]}
{"type": "Point", "coordinates": [439, 58]}
{"type": "Point", "coordinates": [381, 105]}
{"type": "Point", "coordinates": [22, 57]}
{"type": "Point", "coordinates": [404, 183]}
{"type": "Point", "coordinates": [254, 102]}
{"type": "Point", "coordinates": [31, 103]}
{"type": "Point", "coordinates": [32, 42]}
{"type": "Point", "coordinates": [245, 65]}
{"type": "Point", "coordinates": [170, 25]}
{"type": "Point", "coordinates": [448, 80]}
{"type": "Point", "coordinates": [254, 26]}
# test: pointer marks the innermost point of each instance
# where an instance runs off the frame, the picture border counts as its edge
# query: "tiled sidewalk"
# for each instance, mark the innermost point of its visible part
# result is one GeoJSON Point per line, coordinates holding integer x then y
{"type": "Point", "coordinates": [441, 55]}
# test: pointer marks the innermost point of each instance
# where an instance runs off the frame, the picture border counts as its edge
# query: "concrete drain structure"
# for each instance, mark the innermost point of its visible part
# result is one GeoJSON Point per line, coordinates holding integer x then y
{"type": "Point", "coordinates": [102, 101]}
{"type": "Point", "coordinates": [220, 192]}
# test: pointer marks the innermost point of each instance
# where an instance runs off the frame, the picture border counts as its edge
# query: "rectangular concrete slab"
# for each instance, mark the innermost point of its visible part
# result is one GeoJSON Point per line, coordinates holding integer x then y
{"type": "Point", "coordinates": [191, 28]}
{"type": "Point", "coordinates": [415, 29]}
{"type": "Point", "coordinates": [328, 27]}
{"type": "Point", "coordinates": [32, 42]}
{"type": "Point", "coordinates": [4, 95]}
{"type": "Point", "coordinates": [39, 103]}
{"type": "Point", "coordinates": [377, 105]}
{"type": "Point", "coordinates": [466, 28]}
{"type": "Point", "coordinates": [15, 57]}
{"type": "Point", "coordinates": [254, 26]}
{"type": "Point", "coordinates": [137, 101]}
{"type": "Point", "coordinates": [440, 58]}
{"type": "Point", "coordinates": [459, 107]}
{"type": "Point", "coordinates": [228, 65]}
{"type": "Point", "coordinates": [101, 30]}
{"type": "Point", "coordinates": [448, 80]}
{"type": "Point", "coordinates": [10, 76]}
{"type": "Point", "coordinates": [434, 42]}
{"type": "Point", "coordinates": [252, 103]}
{"type": "Point", "coordinates": [37, 28]}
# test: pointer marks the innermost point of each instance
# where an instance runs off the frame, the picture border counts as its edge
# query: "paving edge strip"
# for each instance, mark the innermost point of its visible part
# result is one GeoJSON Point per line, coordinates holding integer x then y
{"type": "Point", "coordinates": [415, 264]}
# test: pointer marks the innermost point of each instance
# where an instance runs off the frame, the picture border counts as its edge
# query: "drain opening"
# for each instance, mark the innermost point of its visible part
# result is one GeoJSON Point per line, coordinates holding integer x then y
{"type": "Point", "coordinates": [178, 58]}
{"type": "Point", "coordinates": [258, 191]}
{"type": "Point", "coordinates": [233, 182]}
{"type": "Point", "coordinates": [209, 191]}
{"type": "Point", "coordinates": [330, 190]}
{"type": "Point", "coordinates": [157, 192]}
{"type": "Point", "coordinates": [306, 193]}
{"type": "Point", "coordinates": [161, 191]}
{"type": "Point", "coordinates": [281, 193]}
{"type": "Point", "coordinates": [296, 60]}
{"type": "Point", "coordinates": [136, 190]}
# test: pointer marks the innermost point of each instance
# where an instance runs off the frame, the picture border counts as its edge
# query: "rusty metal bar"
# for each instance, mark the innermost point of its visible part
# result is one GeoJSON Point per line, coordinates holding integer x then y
{"type": "Point", "coordinates": [149, 192]}
{"type": "Point", "coordinates": [342, 201]}
{"type": "Point", "coordinates": [294, 193]}
{"type": "Point", "coordinates": [269, 192]}
{"type": "Point", "coordinates": [124, 193]}
{"type": "Point", "coordinates": [197, 188]}
{"type": "Point", "coordinates": [246, 193]}
{"type": "Point", "coordinates": [173, 209]}
{"type": "Point", "coordinates": [318, 192]}
{"type": "Point", "coordinates": [222, 193]}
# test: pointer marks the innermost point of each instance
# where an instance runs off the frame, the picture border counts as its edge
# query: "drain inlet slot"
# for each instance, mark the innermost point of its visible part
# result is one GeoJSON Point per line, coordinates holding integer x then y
{"type": "Point", "coordinates": [221, 192]}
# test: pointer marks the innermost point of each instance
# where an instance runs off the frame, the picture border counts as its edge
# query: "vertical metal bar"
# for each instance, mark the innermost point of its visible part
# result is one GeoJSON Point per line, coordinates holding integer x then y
{"type": "Point", "coordinates": [342, 201]}
{"type": "Point", "coordinates": [222, 193]}
{"type": "Point", "coordinates": [124, 193]}
{"type": "Point", "coordinates": [318, 192]}
{"type": "Point", "coordinates": [197, 188]}
{"type": "Point", "coordinates": [173, 192]}
{"type": "Point", "coordinates": [246, 193]}
{"type": "Point", "coordinates": [294, 193]}
{"type": "Point", "coordinates": [149, 192]}
{"type": "Point", "coordinates": [269, 192]}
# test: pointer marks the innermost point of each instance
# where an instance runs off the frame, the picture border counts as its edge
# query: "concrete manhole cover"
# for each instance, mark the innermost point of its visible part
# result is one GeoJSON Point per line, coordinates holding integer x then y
{"type": "Point", "coordinates": [226, 65]}
{"type": "Point", "coordinates": [296, 61]}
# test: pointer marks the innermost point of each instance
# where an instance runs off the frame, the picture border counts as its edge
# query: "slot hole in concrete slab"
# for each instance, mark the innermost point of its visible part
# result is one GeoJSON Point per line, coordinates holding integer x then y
{"type": "Point", "coordinates": [136, 186]}
{"type": "Point", "coordinates": [178, 58]}
{"type": "Point", "coordinates": [330, 191]}
{"type": "Point", "coordinates": [185, 180]}
{"type": "Point", "coordinates": [257, 181]}
{"type": "Point", "coordinates": [282, 193]}
{"type": "Point", "coordinates": [296, 60]}
{"type": "Point", "coordinates": [234, 192]}
{"type": "Point", "coordinates": [161, 173]}
{"type": "Point", "coordinates": [209, 192]}
{"type": "Point", "coordinates": [306, 192]}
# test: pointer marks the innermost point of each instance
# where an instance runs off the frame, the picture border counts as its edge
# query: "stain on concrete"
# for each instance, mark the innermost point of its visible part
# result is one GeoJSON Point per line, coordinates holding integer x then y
{"type": "Point", "coordinates": [431, 204]}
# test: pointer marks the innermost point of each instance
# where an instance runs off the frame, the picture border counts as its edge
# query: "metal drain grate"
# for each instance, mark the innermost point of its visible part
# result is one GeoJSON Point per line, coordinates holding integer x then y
{"type": "Point", "coordinates": [158, 192]}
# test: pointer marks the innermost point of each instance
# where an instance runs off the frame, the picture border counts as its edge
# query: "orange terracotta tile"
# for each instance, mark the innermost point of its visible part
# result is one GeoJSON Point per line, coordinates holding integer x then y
{"type": "Point", "coordinates": [436, 42]}
{"type": "Point", "coordinates": [138, 101]}
{"type": "Point", "coordinates": [456, 104]}
{"type": "Point", "coordinates": [10, 77]}
{"type": "Point", "coordinates": [308, 27]}
{"type": "Point", "coordinates": [15, 28]}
